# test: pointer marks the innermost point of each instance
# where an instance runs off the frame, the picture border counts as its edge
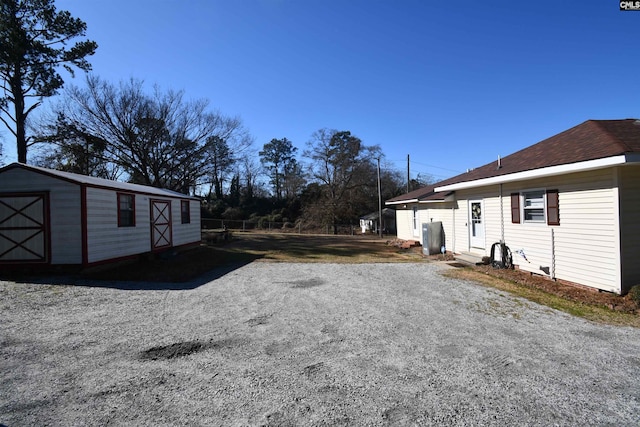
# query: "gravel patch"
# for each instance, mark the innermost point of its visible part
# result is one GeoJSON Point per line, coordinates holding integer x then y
{"type": "Point", "coordinates": [308, 344]}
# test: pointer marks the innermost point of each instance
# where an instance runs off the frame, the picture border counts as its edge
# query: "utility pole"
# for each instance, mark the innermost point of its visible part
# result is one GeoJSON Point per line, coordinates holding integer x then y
{"type": "Point", "coordinates": [379, 202]}
{"type": "Point", "coordinates": [408, 176]}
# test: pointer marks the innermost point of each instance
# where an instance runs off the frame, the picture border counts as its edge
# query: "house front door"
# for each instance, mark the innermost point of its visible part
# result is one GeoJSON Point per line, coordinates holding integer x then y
{"type": "Point", "coordinates": [476, 224]}
{"type": "Point", "coordinates": [160, 224]}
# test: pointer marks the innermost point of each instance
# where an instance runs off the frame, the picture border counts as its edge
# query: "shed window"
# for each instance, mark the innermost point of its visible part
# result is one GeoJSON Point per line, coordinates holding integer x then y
{"type": "Point", "coordinates": [185, 212]}
{"type": "Point", "coordinates": [126, 210]}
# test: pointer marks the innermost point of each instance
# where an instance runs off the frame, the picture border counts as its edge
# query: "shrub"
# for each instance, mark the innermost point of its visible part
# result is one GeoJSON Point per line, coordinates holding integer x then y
{"type": "Point", "coordinates": [634, 293]}
{"type": "Point", "coordinates": [262, 222]}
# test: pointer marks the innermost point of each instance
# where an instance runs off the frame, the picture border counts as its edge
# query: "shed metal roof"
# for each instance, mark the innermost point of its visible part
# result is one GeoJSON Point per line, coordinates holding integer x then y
{"type": "Point", "coordinates": [92, 181]}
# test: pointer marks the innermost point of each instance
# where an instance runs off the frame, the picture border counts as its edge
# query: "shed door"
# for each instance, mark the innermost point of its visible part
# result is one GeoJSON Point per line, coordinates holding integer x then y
{"type": "Point", "coordinates": [23, 228]}
{"type": "Point", "coordinates": [160, 224]}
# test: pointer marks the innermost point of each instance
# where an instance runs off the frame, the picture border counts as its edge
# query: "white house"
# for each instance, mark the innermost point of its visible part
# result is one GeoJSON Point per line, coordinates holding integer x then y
{"type": "Point", "coordinates": [369, 222]}
{"type": "Point", "coordinates": [568, 207]}
{"type": "Point", "coordinates": [48, 217]}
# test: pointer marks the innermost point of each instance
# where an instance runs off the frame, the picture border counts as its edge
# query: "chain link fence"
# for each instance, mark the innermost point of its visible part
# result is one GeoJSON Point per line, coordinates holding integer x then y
{"type": "Point", "coordinates": [280, 227]}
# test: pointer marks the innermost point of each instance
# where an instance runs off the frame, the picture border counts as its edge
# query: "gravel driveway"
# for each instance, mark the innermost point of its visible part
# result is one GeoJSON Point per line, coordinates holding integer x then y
{"type": "Point", "coordinates": [308, 344]}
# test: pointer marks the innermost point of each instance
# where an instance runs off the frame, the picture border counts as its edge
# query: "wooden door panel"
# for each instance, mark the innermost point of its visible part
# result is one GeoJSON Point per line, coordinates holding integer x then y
{"type": "Point", "coordinates": [160, 224]}
{"type": "Point", "coordinates": [23, 228]}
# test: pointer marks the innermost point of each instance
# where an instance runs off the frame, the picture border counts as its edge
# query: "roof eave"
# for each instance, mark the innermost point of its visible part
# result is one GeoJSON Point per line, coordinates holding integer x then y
{"type": "Point", "coordinates": [400, 202]}
{"type": "Point", "coordinates": [448, 198]}
{"type": "Point", "coordinates": [93, 182]}
{"type": "Point", "coordinates": [545, 172]}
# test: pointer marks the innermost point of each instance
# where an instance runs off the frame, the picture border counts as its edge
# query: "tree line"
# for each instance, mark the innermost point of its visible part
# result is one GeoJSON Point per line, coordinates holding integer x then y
{"type": "Point", "coordinates": [162, 139]}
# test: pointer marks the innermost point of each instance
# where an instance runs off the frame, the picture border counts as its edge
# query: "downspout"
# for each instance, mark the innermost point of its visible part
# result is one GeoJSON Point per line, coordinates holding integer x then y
{"type": "Point", "coordinates": [553, 254]}
{"type": "Point", "coordinates": [501, 214]}
{"type": "Point", "coordinates": [453, 228]}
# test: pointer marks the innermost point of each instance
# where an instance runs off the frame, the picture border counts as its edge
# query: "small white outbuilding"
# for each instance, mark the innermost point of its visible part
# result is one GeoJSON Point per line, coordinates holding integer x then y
{"type": "Point", "coordinates": [49, 217]}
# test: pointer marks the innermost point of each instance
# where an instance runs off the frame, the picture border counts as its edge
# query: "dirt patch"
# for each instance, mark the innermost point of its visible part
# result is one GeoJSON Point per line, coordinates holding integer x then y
{"type": "Point", "coordinates": [179, 349]}
{"type": "Point", "coordinates": [307, 283]}
{"type": "Point", "coordinates": [570, 292]}
{"type": "Point", "coordinates": [313, 370]}
{"type": "Point", "coordinates": [457, 264]}
{"type": "Point", "coordinates": [185, 348]}
{"type": "Point", "coordinates": [258, 320]}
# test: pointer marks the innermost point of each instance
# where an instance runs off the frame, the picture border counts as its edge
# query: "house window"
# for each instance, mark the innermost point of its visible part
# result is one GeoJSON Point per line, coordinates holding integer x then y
{"type": "Point", "coordinates": [126, 210]}
{"type": "Point", "coordinates": [537, 206]}
{"type": "Point", "coordinates": [533, 206]}
{"type": "Point", "coordinates": [185, 212]}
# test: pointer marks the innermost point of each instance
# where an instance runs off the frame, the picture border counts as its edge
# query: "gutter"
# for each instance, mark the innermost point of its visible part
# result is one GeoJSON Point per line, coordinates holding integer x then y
{"type": "Point", "coordinates": [545, 172]}
{"type": "Point", "coordinates": [401, 202]}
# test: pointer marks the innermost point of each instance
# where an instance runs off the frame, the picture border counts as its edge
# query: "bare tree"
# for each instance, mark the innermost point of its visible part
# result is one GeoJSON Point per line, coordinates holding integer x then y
{"type": "Point", "coordinates": [221, 164]}
{"type": "Point", "coordinates": [160, 139]}
{"type": "Point", "coordinates": [250, 170]}
{"type": "Point", "coordinates": [71, 148]}
{"type": "Point", "coordinates": [294, 179]}
{"type": "Point", "coordinates": [343, 167]}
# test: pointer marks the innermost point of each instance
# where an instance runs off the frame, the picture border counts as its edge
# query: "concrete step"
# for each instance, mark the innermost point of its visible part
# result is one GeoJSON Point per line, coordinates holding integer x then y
{"type": "Point", "coordinates": [468, 258]}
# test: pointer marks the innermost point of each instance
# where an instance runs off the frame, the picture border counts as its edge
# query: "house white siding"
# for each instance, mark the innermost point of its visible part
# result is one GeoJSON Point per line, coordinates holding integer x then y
{"type": "Point", "coordinates": [404, 223]}
{"type": "Point", "coordinates": [442, 212]}
{"type": "Point", "coordinates": [65, 231]}
{"type": "Point", "coordinates": [105, 240]}
{"type": "Point", "coordinates": [582, 249]}
{"type": "Point", "coordinates": [490, 219]}
{"type": "Point", "coordinates": [427, 212]}
{"type": "Point", "coordinates": [629, 178]}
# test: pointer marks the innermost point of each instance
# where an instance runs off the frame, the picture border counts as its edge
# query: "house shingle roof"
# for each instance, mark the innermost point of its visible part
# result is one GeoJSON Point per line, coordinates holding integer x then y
{"type": "Point", "coordinates": [424, 194]}
{"type": "Point", "coordinates": [415, 194]}
{"type": "Point", "coordinates": [591, 140]}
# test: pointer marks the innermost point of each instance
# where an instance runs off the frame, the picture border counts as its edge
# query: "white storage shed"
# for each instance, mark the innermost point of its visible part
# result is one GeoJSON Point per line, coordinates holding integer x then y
{"type": "Point", "coordinates": [50, 217]}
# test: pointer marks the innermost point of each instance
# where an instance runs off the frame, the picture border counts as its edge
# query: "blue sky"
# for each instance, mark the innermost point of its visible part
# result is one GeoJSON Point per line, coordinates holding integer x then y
{"type": "Point", "coordinates": [453, 84]}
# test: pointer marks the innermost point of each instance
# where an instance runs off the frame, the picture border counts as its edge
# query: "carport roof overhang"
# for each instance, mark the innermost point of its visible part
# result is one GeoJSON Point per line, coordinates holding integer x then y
{"type": "Point", "coordinates": [402, 202]}
{"type": "Point", "coordinates": [446, 198]}
{"type": "Point", "coordinates": [545, 172]}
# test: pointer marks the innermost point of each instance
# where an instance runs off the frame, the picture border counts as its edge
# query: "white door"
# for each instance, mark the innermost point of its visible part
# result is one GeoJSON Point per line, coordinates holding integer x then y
{"type": "Point", "coordinates": [476, 224]}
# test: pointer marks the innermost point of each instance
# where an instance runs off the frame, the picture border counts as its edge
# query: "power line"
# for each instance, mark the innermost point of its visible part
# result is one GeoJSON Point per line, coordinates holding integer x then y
{"type": "Point", "coordinates": [427, 165]}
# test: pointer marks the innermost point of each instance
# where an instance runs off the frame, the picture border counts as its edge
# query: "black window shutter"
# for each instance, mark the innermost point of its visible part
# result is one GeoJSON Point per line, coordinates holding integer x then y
{"type": "Point", "coordinates": [515, 208]}
{"type": "Point", "coordinates": [553, 213]}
